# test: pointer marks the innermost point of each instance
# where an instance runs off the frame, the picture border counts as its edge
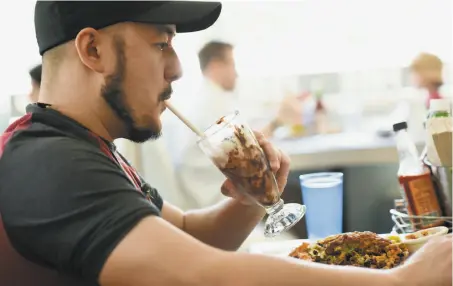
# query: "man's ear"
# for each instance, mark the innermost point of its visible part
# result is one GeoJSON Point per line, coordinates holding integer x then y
{"type": "Point", "coordinates": [88, 45]}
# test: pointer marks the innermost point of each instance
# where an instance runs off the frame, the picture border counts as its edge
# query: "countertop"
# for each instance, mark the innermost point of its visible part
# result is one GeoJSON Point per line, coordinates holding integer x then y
{"type": "Point", "coordinates": [339, 150]}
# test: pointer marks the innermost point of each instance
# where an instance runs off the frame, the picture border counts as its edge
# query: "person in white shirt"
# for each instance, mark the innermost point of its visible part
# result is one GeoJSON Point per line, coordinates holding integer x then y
{"type": "Point", "coordinates": [195, 172]}
{"type": "Point", "coordinates": [216, 97]}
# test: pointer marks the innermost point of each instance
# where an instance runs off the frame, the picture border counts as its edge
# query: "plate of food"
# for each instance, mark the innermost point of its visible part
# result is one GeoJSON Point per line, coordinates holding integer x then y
{"type": "Point", "coordinates": [416, 240]}
{"type": "Point", "coordinates": [362, 249]}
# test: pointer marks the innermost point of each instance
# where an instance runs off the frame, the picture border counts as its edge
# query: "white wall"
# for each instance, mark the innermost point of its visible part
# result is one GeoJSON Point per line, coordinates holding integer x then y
{"type": "Point", "coordinates": [18, 48]}
{"type": "Point", "coordinates": [275, 38]}
{"type": "Point", "coordinates": [288, 37]}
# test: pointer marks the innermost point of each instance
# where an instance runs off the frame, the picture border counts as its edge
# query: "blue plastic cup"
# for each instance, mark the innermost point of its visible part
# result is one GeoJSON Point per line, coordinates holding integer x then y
{"type": "Point", "coordinates": [322, 193]}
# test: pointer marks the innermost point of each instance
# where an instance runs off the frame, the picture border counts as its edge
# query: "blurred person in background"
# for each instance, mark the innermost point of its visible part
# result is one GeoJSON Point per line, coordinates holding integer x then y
{"type": "Point", "coordinates": [35, 75]}
{"type": "Point", "coordinates": [19, 103]}
{"type": "Point", "coordinates": [216, 97]}
{"type": "Point", "coordinates": [427, 73]}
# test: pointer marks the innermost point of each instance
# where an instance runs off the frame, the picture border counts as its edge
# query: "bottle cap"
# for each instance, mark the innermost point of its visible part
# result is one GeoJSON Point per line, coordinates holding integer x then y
{"type": "Point", "coordinates": [443, 104]}
{"type": "Point", "coordinates": [399, 126]}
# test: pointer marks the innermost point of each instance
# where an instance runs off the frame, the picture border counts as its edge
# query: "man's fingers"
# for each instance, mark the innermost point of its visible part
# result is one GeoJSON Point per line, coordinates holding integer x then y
{"type": "Point", "coordinates": [259, 136]}
{"type": "Point", "coordinates": [271, 154]}
{"type": "Point", "coordinates": [227, 188]}
{"type": "Point", "coordinates": [283, 172]}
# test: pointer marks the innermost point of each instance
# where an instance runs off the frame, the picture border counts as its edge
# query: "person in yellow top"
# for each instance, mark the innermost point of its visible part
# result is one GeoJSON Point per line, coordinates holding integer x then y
{"type": "Point", "coordinates": [427, 71]}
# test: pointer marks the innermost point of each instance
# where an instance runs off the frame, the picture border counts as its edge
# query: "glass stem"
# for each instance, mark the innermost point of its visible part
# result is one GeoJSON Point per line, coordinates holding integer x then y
{"type": "Point", "coordinates": [275, 208]}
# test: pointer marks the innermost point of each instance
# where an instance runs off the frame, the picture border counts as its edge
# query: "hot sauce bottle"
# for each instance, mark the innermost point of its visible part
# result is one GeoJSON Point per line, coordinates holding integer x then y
{"type": "Point", "coordinates": [415, 181]}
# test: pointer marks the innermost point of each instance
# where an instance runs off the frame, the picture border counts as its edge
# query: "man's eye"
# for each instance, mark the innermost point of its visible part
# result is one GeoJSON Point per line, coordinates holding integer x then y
{"type": "Point", "coordinates": [162, 46]}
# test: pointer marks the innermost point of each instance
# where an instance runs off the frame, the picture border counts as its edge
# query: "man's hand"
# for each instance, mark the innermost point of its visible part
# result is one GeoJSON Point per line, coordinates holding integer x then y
{"type": "Point", "coordinates": [279, 163]}
{"type": "Point", "coordinates": [289, 113]}
{"type": "Point", "coordinates": [430, 265]}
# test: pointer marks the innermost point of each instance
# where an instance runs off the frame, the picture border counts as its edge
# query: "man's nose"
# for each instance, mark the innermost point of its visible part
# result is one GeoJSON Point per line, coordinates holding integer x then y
{"type": "Point", "coordinates": [173, 69]}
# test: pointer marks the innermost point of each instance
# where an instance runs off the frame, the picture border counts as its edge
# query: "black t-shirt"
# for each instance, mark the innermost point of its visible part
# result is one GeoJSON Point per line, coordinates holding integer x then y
{"type": "Point", "coordinates": [67, 197]}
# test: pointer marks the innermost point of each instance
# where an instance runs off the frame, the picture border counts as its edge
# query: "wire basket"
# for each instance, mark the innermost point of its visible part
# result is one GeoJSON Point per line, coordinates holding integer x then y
{"type": "Point", "coordinates": [405, 223]}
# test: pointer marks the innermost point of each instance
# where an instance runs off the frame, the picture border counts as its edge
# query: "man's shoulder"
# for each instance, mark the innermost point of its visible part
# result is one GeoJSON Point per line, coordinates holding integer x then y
{"type": "Point", "coordinates": [39, 140]}
{"type": "Point", "coordinates": [35, 153]}
{"type": "Point", "coordinates": [73, 200]}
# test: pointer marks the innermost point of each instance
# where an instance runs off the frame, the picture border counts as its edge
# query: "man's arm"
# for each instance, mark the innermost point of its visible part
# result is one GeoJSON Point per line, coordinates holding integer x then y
{"type": "Point", "coordinates": [289, 113]}
{"type": "Point", "coordinates": [174, 258]}
{"type": "Point", "coordinates": [269, 129]}
{"type": "Point", "coordinates": [225, 225]}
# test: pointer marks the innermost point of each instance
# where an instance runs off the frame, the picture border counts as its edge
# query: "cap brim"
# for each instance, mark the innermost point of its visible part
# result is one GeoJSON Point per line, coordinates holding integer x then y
{"type": "Point", "coordinates": [188, 16]}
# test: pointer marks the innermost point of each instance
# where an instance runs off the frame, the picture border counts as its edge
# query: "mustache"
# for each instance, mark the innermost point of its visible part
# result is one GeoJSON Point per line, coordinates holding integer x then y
{"type": "Point", "coordinates": [166, 94]}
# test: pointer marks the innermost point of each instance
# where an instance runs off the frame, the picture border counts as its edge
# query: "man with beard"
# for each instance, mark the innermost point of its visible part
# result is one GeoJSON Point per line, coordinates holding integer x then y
{"type": "Point", "coordinates": [71, 203]}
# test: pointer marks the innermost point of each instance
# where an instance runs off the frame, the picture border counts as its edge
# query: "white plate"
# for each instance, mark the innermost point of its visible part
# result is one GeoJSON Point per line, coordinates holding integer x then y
{"type": "Point", "coordinates": [283, 248]}
{"type": "Point", "coordinates": [415, 244]}
{"type": "Point", "coordinates": [276, 248]}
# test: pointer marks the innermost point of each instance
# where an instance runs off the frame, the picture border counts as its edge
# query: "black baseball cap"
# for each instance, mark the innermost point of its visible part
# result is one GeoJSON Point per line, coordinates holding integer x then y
{"type": "Point", "coordinates": [57, 22]}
